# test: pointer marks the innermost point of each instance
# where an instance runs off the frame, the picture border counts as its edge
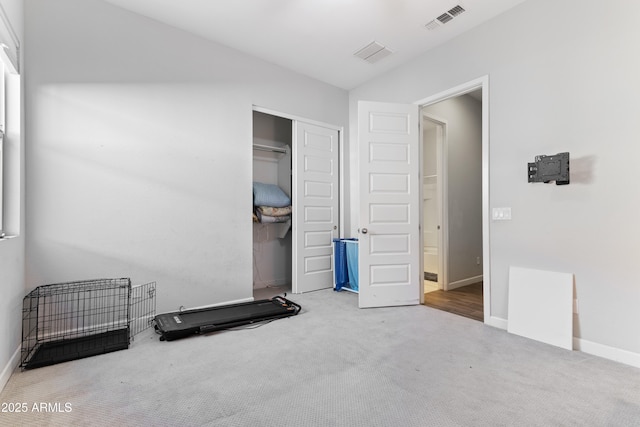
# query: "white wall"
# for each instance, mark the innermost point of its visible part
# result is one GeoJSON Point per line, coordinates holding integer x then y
{"type": "Point", "coordinates": [561, 81]}
{"type": "Point", "coordinates": [12, 282]}
{"type": "Point", "coordinates": [139, 151]}
{"type": "Point", "coordinates": [463, 115]}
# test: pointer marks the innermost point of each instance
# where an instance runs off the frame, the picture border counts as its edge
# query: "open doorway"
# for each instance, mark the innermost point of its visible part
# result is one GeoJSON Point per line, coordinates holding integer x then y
{"type": "Point", "coordinates": [452, 211]}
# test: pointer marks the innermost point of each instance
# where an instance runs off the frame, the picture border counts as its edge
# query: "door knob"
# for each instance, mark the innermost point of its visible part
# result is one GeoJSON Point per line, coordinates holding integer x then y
{"type": "Point", "coordinates": [364, 231]}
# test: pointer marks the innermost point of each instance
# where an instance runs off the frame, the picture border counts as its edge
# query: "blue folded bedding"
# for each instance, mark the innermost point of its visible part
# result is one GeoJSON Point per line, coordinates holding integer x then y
{"type": "Point", "coordinates": [269, 195]}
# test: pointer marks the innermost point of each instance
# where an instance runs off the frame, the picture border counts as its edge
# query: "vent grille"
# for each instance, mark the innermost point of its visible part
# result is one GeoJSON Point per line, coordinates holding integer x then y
{"type": "Point", "coordinates": [373, 52]}
{"type": "Point", "coordinates": [456, 11]}
{"type": "Point", "coordinates": [432, 25]}
{"type": "Point", "coordinates": [445, 17]}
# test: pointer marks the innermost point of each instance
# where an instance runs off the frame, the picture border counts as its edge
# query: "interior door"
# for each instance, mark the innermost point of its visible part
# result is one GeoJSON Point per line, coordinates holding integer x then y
{"type": "Point", "coordinates": [315, 205]}
{"type": "Point", "coordinates": [389, 233]}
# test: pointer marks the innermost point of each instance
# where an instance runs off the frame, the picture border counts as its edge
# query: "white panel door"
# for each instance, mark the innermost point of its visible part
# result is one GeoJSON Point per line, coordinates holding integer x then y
{"type": "Point", "coordinates": [315, 206]}
{"type": "Point", "coordinates": [389, 238]}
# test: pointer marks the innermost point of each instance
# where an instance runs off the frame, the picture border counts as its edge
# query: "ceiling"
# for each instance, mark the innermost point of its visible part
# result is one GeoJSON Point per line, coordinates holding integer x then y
{"type": "Point", "coordinates": [318, 38]}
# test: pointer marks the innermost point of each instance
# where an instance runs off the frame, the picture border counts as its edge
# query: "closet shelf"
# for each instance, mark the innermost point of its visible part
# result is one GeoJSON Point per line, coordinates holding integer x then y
{"type": "Point", "coordinates": [261, 147]}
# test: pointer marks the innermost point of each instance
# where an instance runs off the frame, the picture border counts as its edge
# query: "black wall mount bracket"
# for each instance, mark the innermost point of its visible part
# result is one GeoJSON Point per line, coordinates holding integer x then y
{"type": "Point", "coordinates": [550, 168]}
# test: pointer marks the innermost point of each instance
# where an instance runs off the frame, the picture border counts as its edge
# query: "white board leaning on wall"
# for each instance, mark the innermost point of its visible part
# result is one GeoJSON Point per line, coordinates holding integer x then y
{"type": "Point", "coordinates": [541, 306]}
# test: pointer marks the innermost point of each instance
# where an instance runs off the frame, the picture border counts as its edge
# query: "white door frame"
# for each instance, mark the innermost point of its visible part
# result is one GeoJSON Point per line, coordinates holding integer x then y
{"type": "Point", "coordinates": [479, 83]}
{"type": "Point", "coordinates": [442, 197]}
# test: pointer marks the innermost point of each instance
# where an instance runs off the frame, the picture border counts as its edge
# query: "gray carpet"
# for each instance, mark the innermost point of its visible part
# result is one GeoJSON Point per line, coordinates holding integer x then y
{"type": "Point", "coordinates": [335, 365]}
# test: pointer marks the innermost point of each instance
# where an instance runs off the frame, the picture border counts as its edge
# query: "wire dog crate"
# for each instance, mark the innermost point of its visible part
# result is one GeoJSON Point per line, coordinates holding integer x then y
{"type": "Point", "coordinates": [68, 321]}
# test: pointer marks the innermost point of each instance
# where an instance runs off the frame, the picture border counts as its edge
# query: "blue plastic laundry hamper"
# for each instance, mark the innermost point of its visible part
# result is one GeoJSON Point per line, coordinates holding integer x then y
{"type": "Point", "coordinates": [340, 268]}
{"type": "Point", "coordinates": [352, 263]}
{"type": "Point", "coordinates": [340, 263]}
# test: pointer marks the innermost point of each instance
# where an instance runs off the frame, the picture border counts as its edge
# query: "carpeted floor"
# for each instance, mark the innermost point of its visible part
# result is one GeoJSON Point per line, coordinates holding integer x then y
{"type": "Point", "coordinates": [334, 365]}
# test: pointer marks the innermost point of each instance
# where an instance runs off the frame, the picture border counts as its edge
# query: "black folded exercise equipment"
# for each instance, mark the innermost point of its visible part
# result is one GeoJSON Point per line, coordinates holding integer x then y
{"type": "Point", "coordinates": [181, 324]}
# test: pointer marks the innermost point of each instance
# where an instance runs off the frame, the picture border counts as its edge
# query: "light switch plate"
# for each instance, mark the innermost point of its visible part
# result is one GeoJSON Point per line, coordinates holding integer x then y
{"type": "Point", "coordinates": [501, 214]}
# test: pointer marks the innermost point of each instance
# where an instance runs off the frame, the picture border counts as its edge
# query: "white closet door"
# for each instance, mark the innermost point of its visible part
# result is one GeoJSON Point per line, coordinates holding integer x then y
{"type": "Point", "coordinates": [315, 205]}
{"type": "Point", "coordinates": [389, 239]}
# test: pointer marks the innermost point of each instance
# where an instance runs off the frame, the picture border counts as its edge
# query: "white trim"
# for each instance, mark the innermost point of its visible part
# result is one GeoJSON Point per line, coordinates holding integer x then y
{"type": "Point", "coordinates": [237, 301]}
{"type": "Point", "coordinates": [479, 83]}
{"type": "Point", "coordinates": [421, 178]}
{"type": "Point", "coordinates": [9, 368]}
{"type": "Point", "coordinates": [589, 347]}
{"type": "Point", "coordinates": [496, 322]}
{"type": "Point", "coordinates": [606, 352]}
{"type": "Point", "coordinates": [464, 282]}
{"type": "Point", "coordinates": [486, 205]}
{"type": "Point", "coordinates": [341, 182]}
{"type": "Point", "coordinates": [296, 118]}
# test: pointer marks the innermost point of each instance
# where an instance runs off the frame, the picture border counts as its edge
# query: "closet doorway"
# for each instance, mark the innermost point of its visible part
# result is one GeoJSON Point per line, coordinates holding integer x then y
{"type": "Point", "coordinates": [292, 245]}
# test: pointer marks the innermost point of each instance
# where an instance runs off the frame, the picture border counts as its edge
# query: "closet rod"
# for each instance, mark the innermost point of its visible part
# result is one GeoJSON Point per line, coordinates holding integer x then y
{"type": "Point", "coordinates": [269, 148]}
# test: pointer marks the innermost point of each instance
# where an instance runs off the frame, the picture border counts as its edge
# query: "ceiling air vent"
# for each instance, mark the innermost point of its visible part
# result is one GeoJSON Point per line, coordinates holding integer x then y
{"type": "Point", "coordinates": [432, 25]}
{"type": "Point", "coordinates": [456, 11]}
{"type": "Point", "coordinates": [445, 17]}
{"type": "Point", "coordinates": [373, 52]}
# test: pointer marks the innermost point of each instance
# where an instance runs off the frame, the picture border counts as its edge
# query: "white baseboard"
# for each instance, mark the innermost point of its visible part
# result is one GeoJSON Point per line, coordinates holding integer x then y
{"type": "Point", "coordinates": [589, 347]}
{"type": "Point", "coordinates": [496, 322]}
{"type": "Point", "coordinates": [464, 282]}
{"type": "Point", "coordinates": [238, 301]}
{"type": "Point", "coordinates": [606, 352]}
{"type": "Point", "coordinates": [8, 370]}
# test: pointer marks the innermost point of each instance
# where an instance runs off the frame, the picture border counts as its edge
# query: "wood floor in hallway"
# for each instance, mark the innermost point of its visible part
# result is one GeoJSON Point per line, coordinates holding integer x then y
{"type": "Point", "coordinates": [466, 301]}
